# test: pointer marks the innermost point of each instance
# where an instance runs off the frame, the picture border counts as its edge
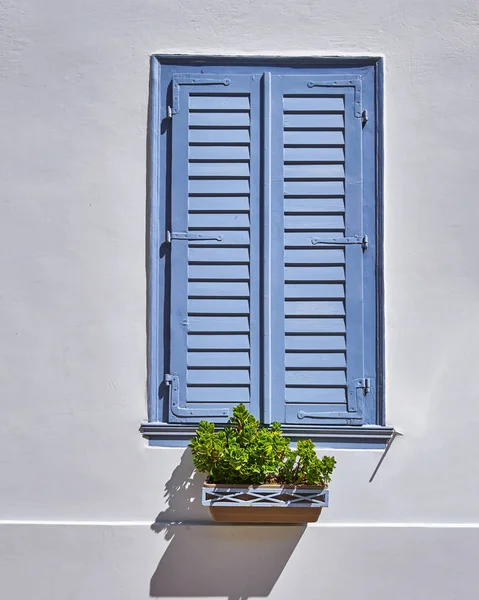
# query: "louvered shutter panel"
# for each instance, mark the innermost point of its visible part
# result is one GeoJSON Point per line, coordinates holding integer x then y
{"type": "Point", "coordinates": [215, 236]}
{"type": "Point", "coordinates": [317, 258]}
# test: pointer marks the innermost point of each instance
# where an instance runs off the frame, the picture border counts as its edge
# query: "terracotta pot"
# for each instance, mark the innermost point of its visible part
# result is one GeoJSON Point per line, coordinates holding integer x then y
{"type": "Point", "coordinates": [264, 503]}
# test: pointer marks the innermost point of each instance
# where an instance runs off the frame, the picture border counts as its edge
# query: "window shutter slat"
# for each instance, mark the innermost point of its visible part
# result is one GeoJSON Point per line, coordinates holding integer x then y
{"type": "Point", "coordinates": [318, 164]}
{"type": "Point", "coordinates": [214, 325]}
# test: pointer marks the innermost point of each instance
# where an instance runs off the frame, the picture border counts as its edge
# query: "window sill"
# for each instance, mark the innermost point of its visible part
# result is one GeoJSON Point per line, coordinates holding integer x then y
{"type": "Point", "coordinates": [348, 437]}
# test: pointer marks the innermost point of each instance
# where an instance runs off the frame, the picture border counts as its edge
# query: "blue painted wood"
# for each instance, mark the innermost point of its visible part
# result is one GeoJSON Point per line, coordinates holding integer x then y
{"type": "Point", "coordinates": [313, 121]}
{"type": "Point", "coordinates": [255, 249]}
{"type": "Point", "coordinates": [218, 359]}
{"type": "Point", "coordinates": [315, 360]}
{"type": "Point", "coordinates": [347, 84]}
{"type": "Point", "coordinates": [312, 308]}
{"type": "Point", "coordinates": [313, 291]}
{"type": "Point", "coordinates": [305, 153]}
{"type": "Point", "coordinates": [313, 206]}
{"type": "Point", "coordinates": [315, 343]}
{"type": "Point", "coordinates": [217, 271]}
{"type": "Point", "coordinates": [305, 239]}
{"type": "Point", "coordinates": [211, 306]}
{"type": "Point", "coordinates": [373, 259]}
{"type": "Point", "coordinates": [277, 303]}
{"type": "Point", "coordinates": [316, 171]}
{"type": "Point", "coordinates": [298, 397]}
{"type": "Point", "coordinates": [219, 186]}
{"type": "Point", "coordinates": [156, 287]}
{"type": "Point", "coordinates": [217, 377]}
{"type": "Point", "coordinates": [218, 289]}
{"type": "Point", "coordinates": [313, 256]}
{"type": "Point", "coordinates": [219, 119]}
{"type": "Point", "coordinates": [314, 138]}
{"type": "Point", "coordinates": [191, 81]}
{"type": "Point", "coordinates": [230, 237]}
{"type": "Point", "coordinates": [215, 324]}
{"type": "Point", "coordinates": [312, 103]}
{"type": "Point", "coordinates": [218, 221]}
{"type": "Point", "coordinates": [219, 203]}
{"type": "Point", "coordinates": [218, 254]}
{"type": "Point", "coordinates": [313, 273]}
{"type": "Point", "coordinates": [329, 413]}
{"type": "Point", "coordinates": [220, 395]}
{"type": "Point", "coordinates": [220, 272]}
{"type": "Point", "coordinates": [224, 341]}
{"type": "Point", "coordinates": [354, 255]}
{"type": "Point", "coordinates": [219, 152]}
{"type": "Point", "coordinates": [219, 169]}
{"type": "Point", "coordinates": [305, 273]}
{"type": "Point", "coordinates": [179, 266]}
{"type": "Point", "coordinates": [311, 378]}
{"type": "Point", "coordinates": [219, 136]}
{"type": "Point", "coordinates": [267, 329]}
{"type": "Point", "coordinates": [313, 188]}
{"type": "Point", "coordinates": [314, 222]}
{"type": "Point", "coordinates": [314, 325]}
{"type": "Point", "coordinates": [210, 102]}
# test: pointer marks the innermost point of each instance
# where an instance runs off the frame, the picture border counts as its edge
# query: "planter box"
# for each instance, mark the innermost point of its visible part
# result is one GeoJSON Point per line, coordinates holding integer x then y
{"type": "Point", "coordinates": [264, 503]}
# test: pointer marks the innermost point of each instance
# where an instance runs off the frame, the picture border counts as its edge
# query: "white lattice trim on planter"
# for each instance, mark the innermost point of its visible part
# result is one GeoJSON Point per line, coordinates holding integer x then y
{"type": "Point", "coordinates": [264, 495]}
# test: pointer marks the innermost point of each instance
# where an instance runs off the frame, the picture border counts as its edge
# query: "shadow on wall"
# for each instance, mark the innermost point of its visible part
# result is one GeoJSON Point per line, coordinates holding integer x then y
{"type": "Point", "coordinates": [207, 559]}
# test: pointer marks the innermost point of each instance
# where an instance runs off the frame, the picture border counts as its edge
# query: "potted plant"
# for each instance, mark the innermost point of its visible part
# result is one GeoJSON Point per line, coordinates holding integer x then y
{"type": "Point", "coordinates": [255, 477]}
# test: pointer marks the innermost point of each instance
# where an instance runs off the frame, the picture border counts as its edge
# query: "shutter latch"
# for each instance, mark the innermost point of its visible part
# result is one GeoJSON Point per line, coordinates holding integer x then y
{"type": "Point", "coordinates": [186, 236]}
{"type": "Point", "coordinates": [342, 241]}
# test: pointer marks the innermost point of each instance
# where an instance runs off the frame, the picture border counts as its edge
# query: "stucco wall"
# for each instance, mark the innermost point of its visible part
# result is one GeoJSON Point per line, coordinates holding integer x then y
{"type": "Point", "coordinates": [78, 485]}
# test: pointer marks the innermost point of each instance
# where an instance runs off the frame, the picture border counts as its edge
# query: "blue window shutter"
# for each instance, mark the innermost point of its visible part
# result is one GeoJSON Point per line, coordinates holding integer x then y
{"type": "Point", "coordinates": [215, 246]}
{"type": "Point", "coordinates": [317, 250]}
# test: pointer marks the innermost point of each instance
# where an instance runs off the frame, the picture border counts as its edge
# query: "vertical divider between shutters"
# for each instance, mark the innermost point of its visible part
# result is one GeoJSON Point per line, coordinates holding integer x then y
{"type": "Point", "coordinates": [255, 245]}
{"type": "Point", "coordinates": [277, 332]}
{"type": "Point", "coordinates": [266, 231]}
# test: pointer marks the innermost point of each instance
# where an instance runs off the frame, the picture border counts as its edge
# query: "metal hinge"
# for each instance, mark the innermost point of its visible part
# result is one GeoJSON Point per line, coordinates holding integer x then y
{"type": "Point", "coordinates": [342, 241]}
{"type": "Point", "coordinates": [364, 117]}
{"type": "Point", "coordinates": [356, 393]}
{"type": "Point", "coordinates": [354, 414]}
{"type": "Point", "coordinates": [172, 382]}
{"type": "Point", "coordinates": [365, 384]}
{"type": "Point", "coordinates": [353, 81]}
{"type": "Point", "coordinates": [170, 112]}
{"type": "Point", "coordinates": [186, 236]}
{"type": "Point", "coordinates": [191, 80]}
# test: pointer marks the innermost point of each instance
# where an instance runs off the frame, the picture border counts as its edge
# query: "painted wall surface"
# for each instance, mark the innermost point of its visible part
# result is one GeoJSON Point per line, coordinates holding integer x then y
{"type": "Point", "coordinates": [79, 488]}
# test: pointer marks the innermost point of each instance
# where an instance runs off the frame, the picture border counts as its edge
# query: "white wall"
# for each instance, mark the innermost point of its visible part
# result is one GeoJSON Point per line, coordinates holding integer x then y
{"type": "Point", "coordinates": [74, 81]}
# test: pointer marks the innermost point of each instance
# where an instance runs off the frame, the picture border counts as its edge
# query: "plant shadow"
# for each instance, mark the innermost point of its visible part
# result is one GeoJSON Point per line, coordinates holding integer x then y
{"type": "Point", "coordinates": [208, 559]}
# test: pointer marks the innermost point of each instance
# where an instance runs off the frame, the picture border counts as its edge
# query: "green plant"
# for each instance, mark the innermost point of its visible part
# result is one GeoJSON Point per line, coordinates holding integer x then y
{"type": "Point", "coordinates": [245, 452]}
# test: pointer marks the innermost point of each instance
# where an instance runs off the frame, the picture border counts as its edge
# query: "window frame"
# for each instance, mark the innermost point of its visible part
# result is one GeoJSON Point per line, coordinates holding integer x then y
{"type": "Point", "coordinates": [161, 433]}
